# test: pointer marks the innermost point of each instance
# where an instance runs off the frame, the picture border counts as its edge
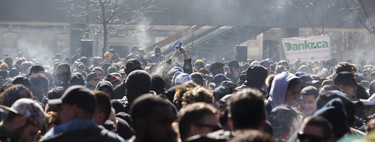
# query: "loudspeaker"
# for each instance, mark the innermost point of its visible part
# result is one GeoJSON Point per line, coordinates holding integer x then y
{"type": "Point", "coordinates": [87, 47]}
{"type": "Point", "coordinates": [240, 53]}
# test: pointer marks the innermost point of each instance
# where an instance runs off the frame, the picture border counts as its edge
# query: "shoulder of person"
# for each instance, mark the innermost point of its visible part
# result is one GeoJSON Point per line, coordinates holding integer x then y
{"type": "Point", "coordinates": [110, 136]}
{"type": "Point", "coordinates": [217, 136]}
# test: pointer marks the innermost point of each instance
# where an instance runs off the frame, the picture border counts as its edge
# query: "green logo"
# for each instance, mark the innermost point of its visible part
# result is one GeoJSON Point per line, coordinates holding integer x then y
{"type": "Point", "coordinates": [305, 45]}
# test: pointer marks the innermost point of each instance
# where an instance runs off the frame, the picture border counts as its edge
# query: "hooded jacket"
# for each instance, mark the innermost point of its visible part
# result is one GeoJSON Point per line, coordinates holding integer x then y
{"type": "Point", "coordinates": [279, 88]}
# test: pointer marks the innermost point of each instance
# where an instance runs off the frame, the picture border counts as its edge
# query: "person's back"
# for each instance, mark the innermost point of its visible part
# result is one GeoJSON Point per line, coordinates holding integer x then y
{"type": "Point", "coordinates": [76, 114]}
{"type": "Point", "coordinates": [80, 131]}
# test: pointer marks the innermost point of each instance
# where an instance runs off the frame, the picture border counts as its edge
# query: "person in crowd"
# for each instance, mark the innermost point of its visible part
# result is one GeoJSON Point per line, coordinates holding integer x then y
{"type": "Point", "coordinates": [181, 78]}
{"type": "Point", "coordinates": [246, 111]}
{"type": "Point", "coordinates": [197, 94]}
{"type": "Point", "coordinates": [138, 83]}
{"type": "Point", "coordinates": [77, 79]}
{"type": "Point", "coordinates": [103, 107]}
{"type": "Point", "coordinates": [9, 62]}
{"type": "Point", "coordinates": [153, 117]}
{"type": "Point", "coordinates": [63, 75]}
{"type": "Point", "coordinates": [234, 70]}
{"type": "Point", "coordinates": [55, 93]}
{"type": "Point", "coordinates": [36, 69]}
{"type": "Point", "coordinates": [284, 122]}
{"type": "Point", "coordinates": [13, 93]}
{"type": "Point", "coordinates": [107, 58]}
{"type": "Point", "coordinates": [76, 115]}
{"type": "Point", "coordinates": [253, 117]}
{"type": "Point", "coordinates": [255, 78]}
{"type": "Point", "coordinates": [157, 57]}
{"type": "Point", "coordinates": [158, 84]}
{"type": "Point", "coordinates": [198, 64]}
{"type": "Point", "coordinates": [315, 129]}
{"type": "Point", "coordinates": [99, 72]}
{"type": "Point", "coordinates": [197, 119]}
{"type": "Point", "coordinates": [309, 95]}
{"type": "Point", "coordinates": [81, 69]}
{"type": "Point", "coordinates": [137, 54]}
{"type": "Point", "coordinates": [346, 67]}
{"type": "Point", "coordinates": [285, 90]}
{"type": "Point", "coordinates": [217, 68]}
{"type": "Point", "coordinates": [179, 93]}
{"type": "Point", "coordinates": [219, 78]}
{"type": "Point", "coordinates": [51, 121]}
{"type": "Point", "coordinates": [23, 121]}
{"type": "Point", "coordinates": [106, 87]}
{"type": "Point", "coordinates": [112, 69]}
{"type": "Point", "coordinates": [130, 66]}
{"type": "Point", "coordinates": [353, 114]}
{"type": "Point", "coordinates": [92, 80]}
{"type": "Point", "coordinates": [40, 87]}
{"type": "Point", "coordinates": [198, 78]}
{"type": "Point", "coordinates": [334, 112]}
{"type": "Point", "coordinates": [369, 105]}
{"type": "Point", "coordinates": [252, 136]}
{"type": "Point", "coordinates": [347, 83]}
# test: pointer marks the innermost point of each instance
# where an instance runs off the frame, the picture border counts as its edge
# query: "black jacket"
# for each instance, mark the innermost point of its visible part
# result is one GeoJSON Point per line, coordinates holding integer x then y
{"type": "Point", "coordinates": [80, 132]}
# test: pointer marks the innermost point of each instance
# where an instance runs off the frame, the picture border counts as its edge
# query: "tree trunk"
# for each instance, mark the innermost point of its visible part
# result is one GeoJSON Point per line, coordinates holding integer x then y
{"type": "Point", "coordinates": [105, 38]}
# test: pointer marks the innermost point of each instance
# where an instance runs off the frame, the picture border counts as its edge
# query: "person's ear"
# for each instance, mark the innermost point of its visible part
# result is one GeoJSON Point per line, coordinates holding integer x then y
{"type": "Point", "coordinates": [20, 121]}
{"type": "Point", "coordinates": [76, 111]}
{"type": "Point", "coordinates": [99, 118]}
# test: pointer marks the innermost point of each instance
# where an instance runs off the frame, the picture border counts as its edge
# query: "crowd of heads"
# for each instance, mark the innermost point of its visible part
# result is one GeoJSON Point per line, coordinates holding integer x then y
{"type": "Point", "coordinates": [158, 99]}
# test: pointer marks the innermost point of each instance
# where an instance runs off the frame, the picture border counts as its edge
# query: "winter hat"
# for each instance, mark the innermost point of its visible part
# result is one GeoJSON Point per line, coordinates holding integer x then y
{"type": "Point", "coordinates": [256, 76]}
{"type": "Point", "coordinates": [334, 112]}
{"type": "Point", "coordinates": [131, 65]}
{"type": "Point", "coordinates": [281, 119]}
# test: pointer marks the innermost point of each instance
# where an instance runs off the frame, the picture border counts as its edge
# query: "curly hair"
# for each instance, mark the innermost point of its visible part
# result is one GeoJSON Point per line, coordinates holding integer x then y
{"type": "Point", "coordinates": [198, 94]}
{"type": "Point", "coordinates": [345, 66]}
{"type": "Point", "coordinates": [13, 93]}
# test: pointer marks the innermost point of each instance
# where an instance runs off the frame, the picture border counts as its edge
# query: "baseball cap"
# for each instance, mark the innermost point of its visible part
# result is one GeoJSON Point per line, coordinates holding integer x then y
{"type": "Point", "coordinates": [174, 70]}
{"type": "Point", "coordinates": [264, 62]}
{"type": "Point", "coordinates": [182, 78]}
{"type": "Point", "coordinates": [219, 78]}
{"type": "Point", "coordinates": [307, 79]}
{"type": "Point", "coordinates": [77, 95]}
{"type": "Point", "coordinates": [28, 108]}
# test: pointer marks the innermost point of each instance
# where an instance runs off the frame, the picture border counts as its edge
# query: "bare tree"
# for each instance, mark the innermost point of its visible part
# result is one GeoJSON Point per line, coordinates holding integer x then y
{"type": "Point", "coordinates": [314, 8]}
{"type": "Point", "coordinates": [361, 13]}
{"type": "Point", "coordinates": [104, 17]}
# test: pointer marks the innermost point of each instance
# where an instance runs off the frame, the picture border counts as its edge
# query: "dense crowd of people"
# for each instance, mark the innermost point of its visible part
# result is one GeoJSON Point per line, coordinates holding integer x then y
{"type": "Point", "coordinates": [158, 99]}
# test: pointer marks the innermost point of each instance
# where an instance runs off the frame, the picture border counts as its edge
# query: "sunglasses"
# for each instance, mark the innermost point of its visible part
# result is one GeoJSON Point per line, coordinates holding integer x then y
{"type": "Point", "coordinates": [310, 138]}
